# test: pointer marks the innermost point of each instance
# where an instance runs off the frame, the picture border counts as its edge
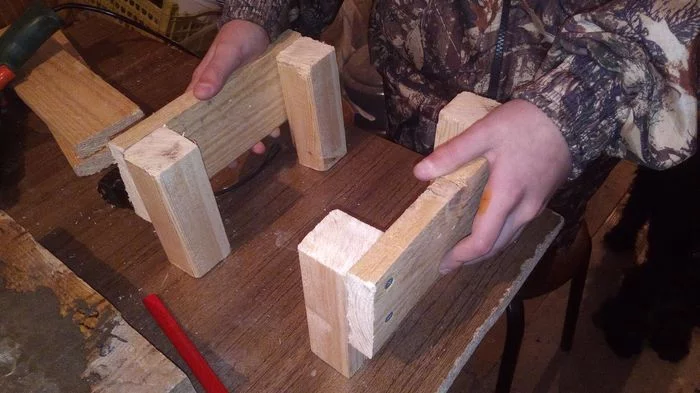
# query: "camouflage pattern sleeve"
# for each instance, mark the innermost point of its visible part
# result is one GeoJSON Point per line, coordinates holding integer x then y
{"type": "Point", "coordinates": [275, 16]}
{"type": "Point", "coordinates": [622, 80]}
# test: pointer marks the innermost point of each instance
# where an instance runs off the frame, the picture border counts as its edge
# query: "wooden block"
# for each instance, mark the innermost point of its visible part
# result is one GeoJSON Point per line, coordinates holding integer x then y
{"type": "Point", "coordinates": [168, 171]}
{"type": "Point", "coordinates": [92, 164]}
{"type": "Point", "coordinates": [408, 254]}
{"type": "Point", "coordinates": [459, 114]}
{"type": "Point", "coordinates": [59, 333]}
{"type": "Point", "coordinates": [311, 87]}
{"type": "Point", "coordinates": [81, 110]}
{"type": "Point", "coordinates": [395, 273]}
{"type": "Point", "coordinates": [247, 109]}
{"type": "Point", "coordinates": [326, 255]}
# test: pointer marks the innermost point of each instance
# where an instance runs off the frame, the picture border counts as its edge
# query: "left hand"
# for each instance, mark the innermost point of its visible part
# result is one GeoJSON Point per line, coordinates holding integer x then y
{"type": "Point", "coordinates": [528, 160]}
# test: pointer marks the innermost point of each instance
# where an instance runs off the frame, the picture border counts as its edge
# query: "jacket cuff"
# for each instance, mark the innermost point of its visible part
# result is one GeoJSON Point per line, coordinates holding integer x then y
{"type": "Point", "coordinates": [580, 98]}
{"type": "Point", "coordinates": [271, 15]}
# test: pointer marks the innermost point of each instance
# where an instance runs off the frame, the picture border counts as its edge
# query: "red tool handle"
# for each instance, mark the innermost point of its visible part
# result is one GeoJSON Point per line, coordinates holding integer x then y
{"type": "Point", "coordinates": [199, 366]}
{"type": "Point", "coordinates": [6, 76]}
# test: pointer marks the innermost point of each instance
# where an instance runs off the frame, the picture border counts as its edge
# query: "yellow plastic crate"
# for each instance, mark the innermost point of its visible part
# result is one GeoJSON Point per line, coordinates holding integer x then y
{"type": "Point", "coordinates": [193, 31]}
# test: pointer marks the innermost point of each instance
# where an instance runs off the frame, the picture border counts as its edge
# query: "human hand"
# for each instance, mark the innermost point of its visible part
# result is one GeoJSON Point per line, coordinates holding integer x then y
{"type": "Point", "coordinates": [528, 160]}
{"type": "Point", "coordinates": [237, 43]}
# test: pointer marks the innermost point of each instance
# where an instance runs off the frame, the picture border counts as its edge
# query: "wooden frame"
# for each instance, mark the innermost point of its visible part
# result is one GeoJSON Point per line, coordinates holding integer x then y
{"type": "Point", "coordinates": [294, 76]}
{"type": "Point", "coordinates": [360, 284]}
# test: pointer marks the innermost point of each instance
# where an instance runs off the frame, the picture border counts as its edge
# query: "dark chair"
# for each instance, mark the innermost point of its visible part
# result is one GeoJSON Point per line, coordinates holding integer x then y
{"type": "Point", "coordinates": [553, 271]}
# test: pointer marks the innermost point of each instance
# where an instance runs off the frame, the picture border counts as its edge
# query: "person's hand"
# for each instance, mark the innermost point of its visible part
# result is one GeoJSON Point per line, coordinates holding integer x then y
{"type": "Point", "coordinates": [237, 43]}
{"type": "Point", "coordinates": [528, 160]}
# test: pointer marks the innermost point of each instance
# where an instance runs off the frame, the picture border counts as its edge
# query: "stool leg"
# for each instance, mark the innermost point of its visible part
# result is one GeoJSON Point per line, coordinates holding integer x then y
{"type": "Point", "coordinates": [578, 282]}
{"type": "Point", "coordinates": [515, 317]}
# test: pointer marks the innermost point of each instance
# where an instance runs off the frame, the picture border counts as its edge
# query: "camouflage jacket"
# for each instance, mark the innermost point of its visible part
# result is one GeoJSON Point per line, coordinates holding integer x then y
{"type": "Point", "coordinates": [619, 78]}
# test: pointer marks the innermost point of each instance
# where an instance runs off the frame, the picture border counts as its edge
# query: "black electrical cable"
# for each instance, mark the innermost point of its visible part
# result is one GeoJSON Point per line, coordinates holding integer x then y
{"type": "Point", "coordinates": [129, 21]}
{"type": "Point", "coordinates": [271, 153]}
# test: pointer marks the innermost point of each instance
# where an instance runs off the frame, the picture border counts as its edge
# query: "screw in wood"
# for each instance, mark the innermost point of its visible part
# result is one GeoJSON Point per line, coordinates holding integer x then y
{"type": "Point", "coordinates": [388, 317]}
{"type": "Point", "coordinates": [388, 282]}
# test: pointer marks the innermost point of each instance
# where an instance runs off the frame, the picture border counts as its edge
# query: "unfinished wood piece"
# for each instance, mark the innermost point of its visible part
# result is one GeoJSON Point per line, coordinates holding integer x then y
{"type": "Point", "coordinates": [81, 110]}
{"type": "Point", "coordinates": [459, 114]}
{"type": "Point", "coordinates": [248, 108]}
{"type": "Point", "coordinates": [395, 273]}
{"type": "Point", "coordinates": [57, 333]}
{"type": "Point", "coordinates": [311, 87]}
{"type": "Point", "coordinates": [326, 255]}
{"type": "Point", "coordinates": [408, 254]}
{"type": "Point", "coordinates": [168, 171]}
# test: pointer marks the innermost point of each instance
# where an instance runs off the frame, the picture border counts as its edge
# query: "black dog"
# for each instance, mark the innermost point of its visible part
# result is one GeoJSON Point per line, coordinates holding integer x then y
{"type": "Point", "coordinates": [659, 300]}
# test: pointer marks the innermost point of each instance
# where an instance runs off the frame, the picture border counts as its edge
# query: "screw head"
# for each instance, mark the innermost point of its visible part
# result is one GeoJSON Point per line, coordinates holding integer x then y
{"type": "Point", "coordinates": [388, 282]}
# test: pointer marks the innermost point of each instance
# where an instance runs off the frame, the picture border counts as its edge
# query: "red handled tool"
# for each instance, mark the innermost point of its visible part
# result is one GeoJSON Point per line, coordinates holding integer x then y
{"type": "Point", "coordinates": [199, 366]}
{"type": "Point", "coordinates": [19, 42]}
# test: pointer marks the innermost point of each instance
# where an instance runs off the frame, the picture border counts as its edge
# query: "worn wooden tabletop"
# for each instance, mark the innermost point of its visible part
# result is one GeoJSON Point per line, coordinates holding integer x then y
{"type": "Point", "coordinates": [247, 315]}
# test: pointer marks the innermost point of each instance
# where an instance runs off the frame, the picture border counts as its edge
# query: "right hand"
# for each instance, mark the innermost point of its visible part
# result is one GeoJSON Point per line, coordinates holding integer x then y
{"type": "Point", "coordinates": [237, 43]}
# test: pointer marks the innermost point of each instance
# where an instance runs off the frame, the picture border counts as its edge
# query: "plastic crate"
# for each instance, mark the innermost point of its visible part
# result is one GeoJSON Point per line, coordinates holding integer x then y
{"type": "Point", "coordinates": [193, 31]}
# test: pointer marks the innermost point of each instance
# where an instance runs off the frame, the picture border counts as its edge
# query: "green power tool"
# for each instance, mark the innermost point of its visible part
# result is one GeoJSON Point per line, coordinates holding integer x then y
{"type": "Point", "coordinates": [21, 40]}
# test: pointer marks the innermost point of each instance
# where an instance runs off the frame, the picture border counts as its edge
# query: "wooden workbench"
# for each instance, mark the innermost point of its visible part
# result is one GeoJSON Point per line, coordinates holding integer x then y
{"type": "Point", "coordinates": [247, 315]}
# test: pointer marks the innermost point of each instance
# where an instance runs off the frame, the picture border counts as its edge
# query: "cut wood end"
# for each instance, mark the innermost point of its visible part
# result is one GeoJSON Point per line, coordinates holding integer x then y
{"type": "Point", "coordinates": [338, 241]}
{"type": "Point", "coordinates": [159, 150]}
{"type": "Point", "coordinates": [304, 53]}
{"type": "Point", "coordinates": [360, 314]}
{"type": "Point", "coordinates": [467, 99]}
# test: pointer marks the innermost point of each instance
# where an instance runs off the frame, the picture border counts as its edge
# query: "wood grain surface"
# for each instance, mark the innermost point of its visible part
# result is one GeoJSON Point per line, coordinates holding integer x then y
{"type": "Point", "coordinates": [248, 315]}
{"type": "Point", "coordinates": [399, 269]}
{"type": "Point", "coordinates": [169, 172]}
{"type": "Point", "coordinates": [248, 107]}
{"type": "Point", "coordinates": [325, 256]}
{"type": "Point", "coordinates": [81, 110]}
{"type": "Point", "coordinates": [310, 82]}
{"type": "Point", "coordinates": [58, 334]}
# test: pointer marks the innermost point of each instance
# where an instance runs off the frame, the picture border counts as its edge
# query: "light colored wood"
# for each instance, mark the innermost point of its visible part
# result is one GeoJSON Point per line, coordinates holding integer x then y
{"type": "Point", "coordinates": [387, 282]}
{"type": "Point", "coordinates": [395, 273]}
{"type": "Point", "coordinates": [168, 171]}
{"type": "Point", "coordinates": [325, 255]}
{"type": "Point", "coordinates": [116, 357]}
{"type": "Point", "coordinates": [311, 88]}
{"type": "Point", "coordinates": [409, 252]}
{"type": "Point", "coordinates": [92, 164]}
{"type": "Point", "coordinates": [81, 110]}
{"type": "Point", "coordinates": [459, 114]}
{"type": "Point", "coordinates": [82, 166]}
{"type": "Point", "coordinates": [249, 106]}
{"type": "Point", "coordinates": [126, 139]}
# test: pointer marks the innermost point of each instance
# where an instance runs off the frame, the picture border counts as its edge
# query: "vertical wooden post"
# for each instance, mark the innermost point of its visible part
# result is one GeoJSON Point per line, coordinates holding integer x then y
{"type": "Point", "coordinates": [169, 173]}
{"type": "Point", "coordinates": [311, 88]}
{"type": "Point", "coordinates": [459, 114]}
{"type": "Point", "coordinates": [326, 255]}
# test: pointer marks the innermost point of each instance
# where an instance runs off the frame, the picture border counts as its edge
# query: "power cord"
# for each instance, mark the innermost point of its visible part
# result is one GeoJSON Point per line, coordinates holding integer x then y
{"type": "Point", "coordinates": [269, 156]}
{"type": "Point", "coordinates": [129, 21]}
